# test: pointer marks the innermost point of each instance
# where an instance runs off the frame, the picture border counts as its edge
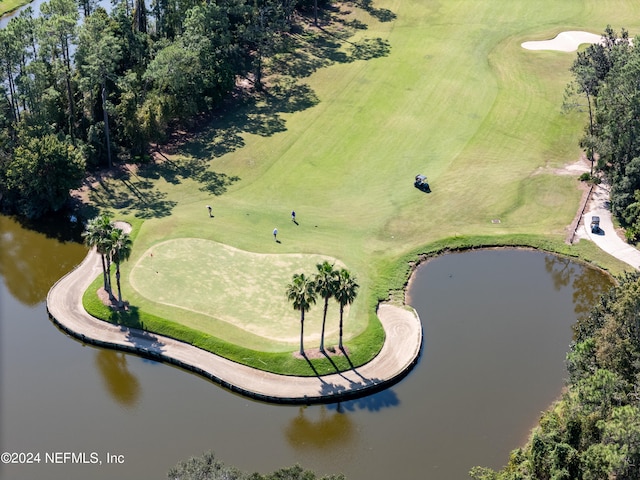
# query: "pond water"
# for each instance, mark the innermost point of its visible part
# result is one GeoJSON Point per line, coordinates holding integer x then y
{"type": "Point", "coordinates": [497, 325]}
{"type": "Point", "coordinates": [36, 4]}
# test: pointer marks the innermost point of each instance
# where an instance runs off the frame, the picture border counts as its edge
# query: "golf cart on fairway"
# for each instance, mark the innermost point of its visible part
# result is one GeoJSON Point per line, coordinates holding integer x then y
{"type": "Point", "coordinates": [421, 183]}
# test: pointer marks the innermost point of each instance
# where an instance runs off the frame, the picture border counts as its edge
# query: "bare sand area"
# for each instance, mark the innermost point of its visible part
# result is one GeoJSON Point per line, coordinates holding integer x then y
{"type": "Point", "coordinates": [564, 41]}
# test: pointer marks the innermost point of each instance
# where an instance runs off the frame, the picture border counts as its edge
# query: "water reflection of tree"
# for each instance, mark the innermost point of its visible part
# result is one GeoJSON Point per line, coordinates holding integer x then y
{"type": "Point", "coordinates": [561, 270]}
{"type": "Point", "coordinates": [588, 284]}
{"type": "Point", "coordinates": [331, 430]}
{"type": "Point", "coordinates": [374, 403]}
{"type": "Point", "coordinates": [31, 262]}
{"type": "Point", "coordinates": [121, 384]}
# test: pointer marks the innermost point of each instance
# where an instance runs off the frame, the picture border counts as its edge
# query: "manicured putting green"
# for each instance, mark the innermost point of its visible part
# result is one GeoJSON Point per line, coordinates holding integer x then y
{"type": "Point", "coordinates": [243, 289]}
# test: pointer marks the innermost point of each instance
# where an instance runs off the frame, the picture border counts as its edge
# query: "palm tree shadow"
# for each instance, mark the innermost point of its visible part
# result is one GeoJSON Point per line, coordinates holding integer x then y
{"type": "Point", "coordinates": [129, 317]}
{"type": "Point", "coordinates": [331, 389]}
{"type": "Point", "coordinates": [144, 342]}
{"type": "Point", "coordinates": [346, 355]}
{"type": "Point", "coordinates": [328, 357]}
{"type": "Point", "coordinates": [313, 368]}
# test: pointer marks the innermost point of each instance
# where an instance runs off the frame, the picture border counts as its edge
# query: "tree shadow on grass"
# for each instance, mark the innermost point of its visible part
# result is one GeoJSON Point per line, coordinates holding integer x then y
{"type": "Point", "coordinates": [145, 343]}
{"type": "Point", "coordinates": [132, 190]}
{"type": "Point", "coordinates": [313, 368]}
{"type": "Point", "coordinates": [353, 368]}
{"type": "Point", "coordinates": [328, 357]}
{"type": "Point", "coordinates": [382, 14]}
{"type": "Point", "coordinates": [298, 55]}
{"type": "Point", "coordinates": [126, 318]}
{"type": "Point", "coordinates": [126, 191]}
{"type": "Point", "coordinates": [129, 196]}
{"type": "Point", "coordinates": [175, 171]}
{"type": "Point", "coordinates": [301, 55]}
{"type": "Point", "coordinates": [216, 183]}
{"type": "Point", "coordinates": [249, 113]}
{"type": "Point", "coordinates": [369, 48]}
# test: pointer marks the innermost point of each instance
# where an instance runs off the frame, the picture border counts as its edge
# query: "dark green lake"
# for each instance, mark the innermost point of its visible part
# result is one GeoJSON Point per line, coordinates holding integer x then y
{"type": "Point", "coordinates": [497, 325]}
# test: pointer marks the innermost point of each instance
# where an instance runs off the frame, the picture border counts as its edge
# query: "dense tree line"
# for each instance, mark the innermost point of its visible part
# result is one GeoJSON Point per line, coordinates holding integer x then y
{"type": "Point", "coordinates": [75, 92]}
{"type": "Point", "coordinates": [606, 81]}
{"type": "Point", "coordinates": [593, 432]}
{"type": "Point", "coordinates": [207, 467]}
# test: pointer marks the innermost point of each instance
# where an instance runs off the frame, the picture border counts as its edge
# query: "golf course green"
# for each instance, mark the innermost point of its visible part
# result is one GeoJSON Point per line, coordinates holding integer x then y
{"type": "Point", "coordinates": [193, 275]}
{"type": "Point", "coordinates": [454, 97]}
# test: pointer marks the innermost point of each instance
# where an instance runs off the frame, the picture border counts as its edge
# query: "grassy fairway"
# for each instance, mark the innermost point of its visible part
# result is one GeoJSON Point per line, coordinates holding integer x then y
{"type": "Point", "coordinates": [456, 98]}
{"type": "Point", "coordinates": [8, 6]}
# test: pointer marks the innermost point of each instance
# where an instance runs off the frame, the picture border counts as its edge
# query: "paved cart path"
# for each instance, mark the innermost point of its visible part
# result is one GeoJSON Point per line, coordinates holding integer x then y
{"type": "Point", "coordinates": [607, 238]}
{"type": "Point", "coordinates": [398, 355]}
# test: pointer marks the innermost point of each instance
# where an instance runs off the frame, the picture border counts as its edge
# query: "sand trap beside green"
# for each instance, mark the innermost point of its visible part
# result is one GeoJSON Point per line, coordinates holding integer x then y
{"type": "Point", "coordinates": [229, 286]}
{"type": "Point", "coordinates": [564, 41]}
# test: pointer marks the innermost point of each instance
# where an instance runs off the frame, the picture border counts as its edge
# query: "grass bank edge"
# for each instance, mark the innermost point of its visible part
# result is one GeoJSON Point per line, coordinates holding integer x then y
{"type": "Point", "coordinates": [361, 349]}
{"type": "Point", "coordinates": [390, 286]}
{"type": "Point", "coordinates": [395, 274]}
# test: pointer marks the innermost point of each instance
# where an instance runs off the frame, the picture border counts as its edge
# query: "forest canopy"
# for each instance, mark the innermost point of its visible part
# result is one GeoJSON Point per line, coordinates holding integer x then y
{"type": "Point", "coordinates": [605, 82]}
{"type": "Point", "coordinates": [81, 87]}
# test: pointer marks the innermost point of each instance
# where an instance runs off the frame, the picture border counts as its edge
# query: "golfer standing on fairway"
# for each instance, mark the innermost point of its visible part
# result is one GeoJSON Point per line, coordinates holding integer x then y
{"type": "Point", "coordinates": [275, 234]}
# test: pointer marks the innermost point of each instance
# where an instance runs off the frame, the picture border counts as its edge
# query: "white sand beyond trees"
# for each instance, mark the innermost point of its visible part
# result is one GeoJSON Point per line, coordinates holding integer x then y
{"type": "Point", "coordinates": [564, 42]}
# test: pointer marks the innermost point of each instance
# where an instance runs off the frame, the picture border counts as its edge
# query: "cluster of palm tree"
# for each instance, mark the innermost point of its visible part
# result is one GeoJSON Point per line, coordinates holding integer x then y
{"type": "Point", "coordinates": [327, 283]}
{"type": "Point", "coordinates": [113, 245]}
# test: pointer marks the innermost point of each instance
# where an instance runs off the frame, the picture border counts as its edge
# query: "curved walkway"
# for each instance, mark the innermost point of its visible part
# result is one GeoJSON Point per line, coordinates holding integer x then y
{"type": "Point", "coordinates": [607, 238]}
{"type": "Point", "coordinates": [399, 353]}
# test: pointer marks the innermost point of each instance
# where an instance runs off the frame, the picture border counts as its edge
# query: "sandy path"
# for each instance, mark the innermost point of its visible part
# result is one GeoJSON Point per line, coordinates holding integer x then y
{"type": "Point", "coordinates": [398, 355]}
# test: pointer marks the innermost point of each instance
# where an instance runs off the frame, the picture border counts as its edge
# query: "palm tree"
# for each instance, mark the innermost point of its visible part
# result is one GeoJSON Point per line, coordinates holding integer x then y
{"type": "Point", "coordinates": [325, 286]}
{"type": "Point", "coordinates": [121, 245]}
{"type": "Point", "coordinates": [106, 245]}
{"type": "Point", "coordinates": [302, 292]}
{"type": "Point", "coordinates": [345, 293]}
{"type": "Point", "coordinates": [97, 234]}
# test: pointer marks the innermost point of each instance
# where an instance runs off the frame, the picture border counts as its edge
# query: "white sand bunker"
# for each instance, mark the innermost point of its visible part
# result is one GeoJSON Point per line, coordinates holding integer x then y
{"type": "Point", "coordinates": [564, 42]}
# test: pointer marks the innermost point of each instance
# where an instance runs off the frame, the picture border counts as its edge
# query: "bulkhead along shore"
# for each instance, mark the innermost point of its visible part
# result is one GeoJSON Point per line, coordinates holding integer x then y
{"type": "Point", "coordinates": [400, 352]}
